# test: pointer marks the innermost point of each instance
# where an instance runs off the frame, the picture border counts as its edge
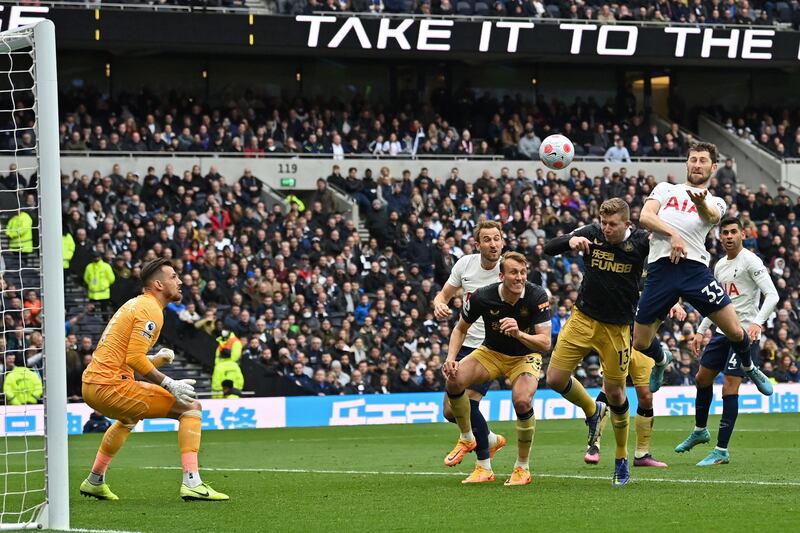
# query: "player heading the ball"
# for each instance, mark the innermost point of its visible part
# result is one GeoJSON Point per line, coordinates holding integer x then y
{"type": "Point", "coordinates": [680, 217]}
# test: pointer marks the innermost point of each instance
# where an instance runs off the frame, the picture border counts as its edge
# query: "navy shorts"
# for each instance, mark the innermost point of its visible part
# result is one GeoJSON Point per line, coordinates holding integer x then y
{"type": "Point", "coordinates": [480, 388]}
{"type": "Point", "coordinates": [666, 282]}
{"type": "Point", "coordinates": [719, 356]}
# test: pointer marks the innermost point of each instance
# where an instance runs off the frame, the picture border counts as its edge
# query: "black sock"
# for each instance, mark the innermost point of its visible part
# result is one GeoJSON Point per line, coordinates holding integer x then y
{"type": "Point", "coordinates": [730, 409]}
{"type": "Point", "coordinates": [480, 429]}
{"type": "Point", "coordinates": [601, 397]}
{"type": "Point", "coordinates": [742, 349]}
{"type": "Point", "coordinates": [644, 412]}
{"type": "Point", "coordinates": [702, 404]}
{"type": "Point", "coordinates": [654, 351]}
{"type": "Point", "coordinates": [524, 416]}
{"type": "Point", "coordinates": [620, 409]}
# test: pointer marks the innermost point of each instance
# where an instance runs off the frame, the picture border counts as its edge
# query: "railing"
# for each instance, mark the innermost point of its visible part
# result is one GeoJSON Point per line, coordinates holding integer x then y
{"type": "Point", "coordinates": [331, 157]}
{"type": "Point", "coordinates": [547, 20]}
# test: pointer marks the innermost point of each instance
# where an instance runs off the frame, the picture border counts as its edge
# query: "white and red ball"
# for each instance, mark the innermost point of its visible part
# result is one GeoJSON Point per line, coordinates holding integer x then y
{"type": "Point", "coordinates": [556, 152]}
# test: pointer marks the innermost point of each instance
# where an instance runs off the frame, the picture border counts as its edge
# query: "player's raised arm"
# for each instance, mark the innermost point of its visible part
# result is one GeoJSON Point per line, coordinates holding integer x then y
{"type": "Point", "coordinates": [456, 342]}
{"type": "Point", "coordinates": [709, 212]}
{"type": "Point", "coordinates": [649, 220]}
{"type": "Point", "coordinates": [441, 303]}
{"type": "Point", "coordinates": [575, 240]}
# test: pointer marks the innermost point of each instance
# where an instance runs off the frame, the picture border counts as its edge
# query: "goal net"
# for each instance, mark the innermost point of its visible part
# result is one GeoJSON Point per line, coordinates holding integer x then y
{"type": "Point", "coordinates": [33, 443]}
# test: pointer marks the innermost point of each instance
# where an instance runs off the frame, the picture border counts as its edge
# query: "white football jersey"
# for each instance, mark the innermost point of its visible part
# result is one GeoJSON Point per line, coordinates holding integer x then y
{"type": "Point", "coordinates": [679, 211]}
{"type": "Point", "coordinates": [744, 278]}
{"type": "Point", "coordinates": [468, 274]}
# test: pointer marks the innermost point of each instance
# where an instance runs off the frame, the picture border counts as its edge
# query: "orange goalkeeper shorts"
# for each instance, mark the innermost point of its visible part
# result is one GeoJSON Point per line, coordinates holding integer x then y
{"type": "Point", "coordinates": [128, 400]}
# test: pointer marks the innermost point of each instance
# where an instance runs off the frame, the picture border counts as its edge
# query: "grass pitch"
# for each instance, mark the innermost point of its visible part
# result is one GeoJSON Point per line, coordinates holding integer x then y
{"type": "Point", "coordinates": [391, 478]}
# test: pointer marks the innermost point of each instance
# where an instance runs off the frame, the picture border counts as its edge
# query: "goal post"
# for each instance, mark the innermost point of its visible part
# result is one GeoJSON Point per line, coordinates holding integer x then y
{"type": "Point", "coordinates": [55, 367]}
{"type": "Point", "coordinates": [35, 481]}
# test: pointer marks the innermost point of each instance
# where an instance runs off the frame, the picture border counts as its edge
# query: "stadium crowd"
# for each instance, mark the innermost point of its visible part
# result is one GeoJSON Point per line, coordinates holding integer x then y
{"type": "Point", "coordinates": [466, 125]}
{"type": "Point", "coordinates": [297, 290]}
{"type": "Point", "coordinates": [664, 11]}
{"type": "Point", "coordinates": [776, 130]}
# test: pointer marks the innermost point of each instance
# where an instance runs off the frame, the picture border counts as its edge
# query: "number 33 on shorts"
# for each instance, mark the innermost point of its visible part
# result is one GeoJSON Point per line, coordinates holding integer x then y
{"type": "Point", "coordinates": [714, 292]}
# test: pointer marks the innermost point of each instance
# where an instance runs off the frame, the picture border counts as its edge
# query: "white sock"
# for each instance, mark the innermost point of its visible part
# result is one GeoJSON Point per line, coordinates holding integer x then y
{"type": "Point", "coordinates": [492, 439]}
{"type": "Point", "coordinates": [467, 436]}
{"type": "Point", "coordinates": [721, 449]}
{"type": "Point", "coordinates": [520, 464]}
{"type": "Point", "coordinates": [639, 455]}
{"type": "Point", "coordinates": [96, 479]}
{"type": "Point", "coordinates": [698, 430]}
{"type": "Point", "coordinates": [747, 368]}
{"type": "Point", "coordinates": [192, 479]}
{"type": "Point", "coordinates": [485, 463]}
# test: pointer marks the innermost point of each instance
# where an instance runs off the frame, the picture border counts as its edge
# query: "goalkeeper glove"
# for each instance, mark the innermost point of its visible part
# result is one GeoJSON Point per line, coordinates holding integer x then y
{"type": "Point", "coordinates": [182, 389]}
{"type": "Point", "coordinates": [164, 356]}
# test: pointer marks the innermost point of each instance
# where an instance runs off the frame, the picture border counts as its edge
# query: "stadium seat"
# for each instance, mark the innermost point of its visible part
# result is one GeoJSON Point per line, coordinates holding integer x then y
{"type": "Point", "coordinates": [482, 8]}
{"type": "Point", "coordinates": [464, 7]}
{"type": "Point", "coordinates": [553, 11]}
{"type": "Point", "coordinates": [784, 12]}
{"type": "Point", "coordinates": [597, 150]}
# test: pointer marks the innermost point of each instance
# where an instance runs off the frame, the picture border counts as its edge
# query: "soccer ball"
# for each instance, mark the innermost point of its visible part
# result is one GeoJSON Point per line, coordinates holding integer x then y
{"type": "Point", "coordinates": [556, 152]}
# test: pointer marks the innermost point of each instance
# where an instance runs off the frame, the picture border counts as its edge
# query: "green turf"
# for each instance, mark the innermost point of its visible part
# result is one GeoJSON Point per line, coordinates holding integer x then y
{"type": "Point", "coordinates": [382, 493]}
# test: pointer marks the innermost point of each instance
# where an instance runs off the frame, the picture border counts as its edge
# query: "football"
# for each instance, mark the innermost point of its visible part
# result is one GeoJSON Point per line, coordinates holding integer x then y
{"type": "Point", "coordinates": [556, 152]}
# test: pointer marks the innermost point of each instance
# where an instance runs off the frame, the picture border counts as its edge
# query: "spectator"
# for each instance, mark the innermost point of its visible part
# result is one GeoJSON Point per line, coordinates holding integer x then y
{"type": "Point", "coordinates": [593, 378]}
{"type": "Point", "coordinates": [786, 371]}
{"type": "Point", "coordinates": [430, 383]}
{"type": "Point", "coordinates": [228, 346]}
{"type": "Point", "coordinates": [19, 231]}
{"type": "Point", "coordinates": [319, 384]}
{"type": "Point", "coordinates": [226, 369]}
{"type": "Point", "coordinates": [21, 385]}
{"type": "Point", "coordinates": [529, 144]}
{"type": "Point", "coordinates": [726, 175]}
{"type": "Point", "coordinates": [404, 383]}
{"type": "Point", "coordinates": [299, 377]}
{"type": "Point", "coordinates": [97, 423]}
{"type": "Point", "coordinates": [618, 153]}
{"type": "Point", "coordinates": [358, 385]}
{"type": "Point", "coordinates": [99, 276]}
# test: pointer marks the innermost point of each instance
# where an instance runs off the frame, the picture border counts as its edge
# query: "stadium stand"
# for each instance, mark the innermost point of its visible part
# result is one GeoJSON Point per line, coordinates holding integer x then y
{"type": "Point", "coordinates": [473, 125]}
{"type": "Point", "coordinates": [314, 308]}
{"type": "Point", "coordinates": [775, 130]}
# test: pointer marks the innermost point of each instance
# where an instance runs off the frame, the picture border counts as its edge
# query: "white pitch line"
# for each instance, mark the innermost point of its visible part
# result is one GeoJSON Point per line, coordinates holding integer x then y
{"type": "Point", "coordinates": [535, 475]}
{"type": "Point", "coordinates": [102, 531]}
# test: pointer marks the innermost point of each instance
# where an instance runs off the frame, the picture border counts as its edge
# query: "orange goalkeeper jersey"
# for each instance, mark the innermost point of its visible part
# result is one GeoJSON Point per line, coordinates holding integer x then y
{"type": "Point", "coordinates": [128, 337]}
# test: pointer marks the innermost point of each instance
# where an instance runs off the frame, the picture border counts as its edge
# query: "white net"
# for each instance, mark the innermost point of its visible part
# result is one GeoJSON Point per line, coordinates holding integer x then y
{"type": "Point", "coordinates": [22, 450]}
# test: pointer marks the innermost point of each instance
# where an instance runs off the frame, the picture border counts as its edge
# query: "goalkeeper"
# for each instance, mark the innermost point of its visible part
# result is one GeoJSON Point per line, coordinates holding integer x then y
{"type": "Point", "coordinates": [110, 388]}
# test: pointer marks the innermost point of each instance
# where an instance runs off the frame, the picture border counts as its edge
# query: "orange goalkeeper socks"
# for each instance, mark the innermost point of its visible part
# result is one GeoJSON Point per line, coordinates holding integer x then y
{"type": "Point", "coordinates": [189, 443]}
{"type": "Point", "coordinates": [113, 440]}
